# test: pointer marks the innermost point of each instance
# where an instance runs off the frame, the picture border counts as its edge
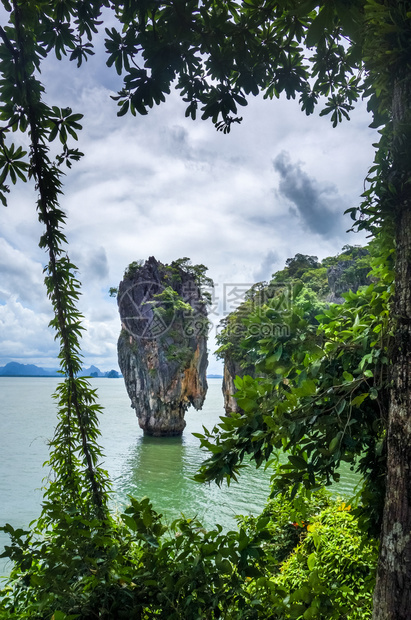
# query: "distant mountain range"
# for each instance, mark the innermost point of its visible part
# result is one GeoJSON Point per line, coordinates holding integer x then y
{"type": "Point", "coordinates": [14, 369]}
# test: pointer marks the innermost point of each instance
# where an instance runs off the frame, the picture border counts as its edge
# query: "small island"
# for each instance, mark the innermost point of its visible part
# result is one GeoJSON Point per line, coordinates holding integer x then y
{"type": "Point", "coordinates": [162, 348]}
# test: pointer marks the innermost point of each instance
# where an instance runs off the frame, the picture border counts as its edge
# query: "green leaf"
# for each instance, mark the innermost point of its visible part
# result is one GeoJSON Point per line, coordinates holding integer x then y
{"type": "Point", "coordinates": [340, 406]}
{"type": "Point", "coordinates": [223, 565]}
{"type": "Point", "coordinates": [298, 461]}
{"type": "Point", "coordinates": [130, 522]}
{"type": "Point", "coordinates": [319, 26]}
{"type": "Point", "coordinates": [312, 560]}
{"type": "Point", "coordinates": [307, 388]}
{"type": "Point", "coordinates": [334, 443]}
{"type": "Point", "coordinates": [358, 400]}
{"type": "Point", "coordinates": [373, 393]}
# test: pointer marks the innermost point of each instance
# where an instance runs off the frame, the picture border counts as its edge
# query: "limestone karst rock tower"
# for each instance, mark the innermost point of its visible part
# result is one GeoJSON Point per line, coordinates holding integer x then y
{"type": "Point", "coordinates": [162, 348]}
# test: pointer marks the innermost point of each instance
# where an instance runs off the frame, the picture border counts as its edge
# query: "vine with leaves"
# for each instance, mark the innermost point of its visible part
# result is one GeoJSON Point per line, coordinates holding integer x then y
{"type": "Point", "coordinates": [75, 452]}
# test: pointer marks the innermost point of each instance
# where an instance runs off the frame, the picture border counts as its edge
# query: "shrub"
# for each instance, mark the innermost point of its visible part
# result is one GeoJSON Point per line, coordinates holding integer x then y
{"type": "Point", "coordinates": [330, 574]}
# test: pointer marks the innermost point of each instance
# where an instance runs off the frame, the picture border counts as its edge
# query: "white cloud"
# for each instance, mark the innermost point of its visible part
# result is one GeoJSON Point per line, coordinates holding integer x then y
{"type": "Point", "coordinates": [21, 277]}
{"type": "Point", "coordinates": [162, 185]}
{"type": "Point", "coordinates": [25, 336]}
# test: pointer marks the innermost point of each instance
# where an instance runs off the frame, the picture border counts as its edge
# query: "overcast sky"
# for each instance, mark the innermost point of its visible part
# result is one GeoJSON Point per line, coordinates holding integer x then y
{"type": "Point", "coordinates": [162, 185]}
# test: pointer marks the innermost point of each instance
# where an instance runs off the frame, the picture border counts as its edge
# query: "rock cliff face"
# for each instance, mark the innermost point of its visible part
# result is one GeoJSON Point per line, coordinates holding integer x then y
{"type": "Point", "coordinates": [230, 372]}
{"type": "Point", "coordinates": [162, 348]}
{"type": "Point", "coordinates": [232, 369]}
{"type": "Point", "coordinates": [342, 278]}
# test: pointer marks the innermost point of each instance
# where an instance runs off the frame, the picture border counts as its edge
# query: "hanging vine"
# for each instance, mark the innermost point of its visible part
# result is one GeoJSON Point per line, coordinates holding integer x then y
{"type": "Point", "coordinates": [75, 453]}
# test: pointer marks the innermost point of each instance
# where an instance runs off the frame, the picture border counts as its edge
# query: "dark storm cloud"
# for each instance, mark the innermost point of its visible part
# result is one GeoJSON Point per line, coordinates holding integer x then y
{"type": "Point", "coordinates": [319, 207]}
{"type": "Point", "coordinates": [267, 267]}
{"type": "Point", "coordinates": [99, 264]}
{"type": "Point", "coordinates": [175, 139]}
{"type": "Point", "coordinates": [94, 265]}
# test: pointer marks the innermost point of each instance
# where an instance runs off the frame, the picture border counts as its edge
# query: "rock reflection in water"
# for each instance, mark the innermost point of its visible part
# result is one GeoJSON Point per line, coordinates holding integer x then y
{"type": "Point", "coordinates": [163, 470]}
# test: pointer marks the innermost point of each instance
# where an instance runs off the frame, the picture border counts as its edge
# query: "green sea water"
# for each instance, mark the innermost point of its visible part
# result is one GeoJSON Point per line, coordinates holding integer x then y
{"type": "Point", "coordinates": [160, 468]}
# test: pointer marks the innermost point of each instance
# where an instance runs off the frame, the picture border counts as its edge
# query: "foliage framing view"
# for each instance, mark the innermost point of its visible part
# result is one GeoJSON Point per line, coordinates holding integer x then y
{"type": "Point", "coordinates": [216, 53]}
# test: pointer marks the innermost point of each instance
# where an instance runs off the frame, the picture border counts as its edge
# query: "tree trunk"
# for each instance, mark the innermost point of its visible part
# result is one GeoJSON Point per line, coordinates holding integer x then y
{"type": "Point", "coordinates": [392, 595]}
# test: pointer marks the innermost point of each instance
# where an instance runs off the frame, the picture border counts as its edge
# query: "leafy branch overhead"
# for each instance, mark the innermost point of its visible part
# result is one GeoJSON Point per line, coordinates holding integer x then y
{"type": "Point", "coordinates": [217, 54]}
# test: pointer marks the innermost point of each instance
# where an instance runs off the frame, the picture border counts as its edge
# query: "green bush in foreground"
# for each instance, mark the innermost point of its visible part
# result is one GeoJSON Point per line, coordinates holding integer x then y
{"type": "Point", "coordinates": [299, 559]}
{"type": "Point", "coordinates": [329, 574]}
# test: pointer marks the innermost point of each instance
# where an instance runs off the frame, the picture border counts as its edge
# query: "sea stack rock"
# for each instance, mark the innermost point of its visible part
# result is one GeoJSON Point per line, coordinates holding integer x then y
{"type": "Point", "coordinates": [162, 348]}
